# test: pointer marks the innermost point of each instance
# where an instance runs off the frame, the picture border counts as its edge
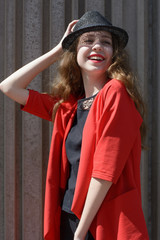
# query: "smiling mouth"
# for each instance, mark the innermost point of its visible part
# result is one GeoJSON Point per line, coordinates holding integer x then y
{"type": "Point", "coordinates": [97, 58]}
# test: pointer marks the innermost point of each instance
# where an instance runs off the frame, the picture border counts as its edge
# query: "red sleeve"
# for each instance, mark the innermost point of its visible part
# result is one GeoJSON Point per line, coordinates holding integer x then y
{"type": "Point", "coordinates": [117, 129]}
{"type": "Point", "coordinates": [39, 104]}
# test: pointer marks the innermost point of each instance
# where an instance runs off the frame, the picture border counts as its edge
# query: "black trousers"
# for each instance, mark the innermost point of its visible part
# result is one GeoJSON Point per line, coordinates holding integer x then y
{"type": "Point", "coordinates": [69, 223]}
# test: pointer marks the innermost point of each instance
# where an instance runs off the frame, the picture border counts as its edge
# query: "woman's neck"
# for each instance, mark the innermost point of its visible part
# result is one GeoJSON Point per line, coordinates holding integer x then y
{"type": "Point", "coordinates": [93, 83]}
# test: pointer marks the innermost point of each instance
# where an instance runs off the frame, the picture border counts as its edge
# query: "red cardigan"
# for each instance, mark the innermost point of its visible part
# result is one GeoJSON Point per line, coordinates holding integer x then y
{"type": "Point", "coordinates": [111, 150]}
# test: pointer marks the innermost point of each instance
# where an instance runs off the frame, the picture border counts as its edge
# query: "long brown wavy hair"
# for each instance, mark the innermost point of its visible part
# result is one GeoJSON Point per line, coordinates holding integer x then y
{"type": "Point", "coordinates": [69, 79]}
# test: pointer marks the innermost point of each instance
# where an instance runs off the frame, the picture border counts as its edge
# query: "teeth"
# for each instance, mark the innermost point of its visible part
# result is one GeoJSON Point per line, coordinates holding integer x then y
{"type": "Point", "coordinates": [96, 58]}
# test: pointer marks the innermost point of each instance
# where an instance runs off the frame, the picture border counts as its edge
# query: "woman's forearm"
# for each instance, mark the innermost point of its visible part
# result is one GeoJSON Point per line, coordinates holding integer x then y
{"type": "Point", "coordinates": [15, 85]}
{"type": "Point", "coordinates": [97, 191]}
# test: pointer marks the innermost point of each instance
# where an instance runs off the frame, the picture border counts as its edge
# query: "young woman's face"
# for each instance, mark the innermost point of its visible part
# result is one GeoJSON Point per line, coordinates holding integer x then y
{"type": "Point", "coordinates": [94, 51]}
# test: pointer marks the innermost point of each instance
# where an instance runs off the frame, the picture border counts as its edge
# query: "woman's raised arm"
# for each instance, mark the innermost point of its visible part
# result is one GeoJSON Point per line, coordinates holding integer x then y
{"type": "Point", "coordinates": [15, 85]}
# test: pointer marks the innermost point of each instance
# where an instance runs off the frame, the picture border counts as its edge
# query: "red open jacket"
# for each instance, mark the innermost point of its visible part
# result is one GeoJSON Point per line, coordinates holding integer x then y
{"type": "Point", "coordinates": [111, 150]}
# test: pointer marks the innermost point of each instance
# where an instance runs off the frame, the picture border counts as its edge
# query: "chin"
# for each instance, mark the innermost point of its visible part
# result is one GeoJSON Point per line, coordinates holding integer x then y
{"type": "Point", "coordinates": [97, 70]}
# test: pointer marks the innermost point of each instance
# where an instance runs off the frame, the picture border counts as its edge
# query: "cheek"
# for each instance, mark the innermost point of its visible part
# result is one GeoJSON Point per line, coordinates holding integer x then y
{"type": "Point", "coordinates": [110, 54]}
{"type": "Point", "coordinates": [80, 56]}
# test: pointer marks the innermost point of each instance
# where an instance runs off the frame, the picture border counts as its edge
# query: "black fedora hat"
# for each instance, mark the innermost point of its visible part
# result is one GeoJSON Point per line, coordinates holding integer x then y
{"type": "Point", "coordinates": [94, 21]}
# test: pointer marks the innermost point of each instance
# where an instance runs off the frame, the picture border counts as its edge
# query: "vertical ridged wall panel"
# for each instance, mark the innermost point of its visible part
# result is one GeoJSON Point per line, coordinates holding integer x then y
{"type": "Point", "coordinates": [32, 129]}
{"type": "Point", "coordinates": [2, 41]}
{"type": "Point", "coordinates": [9, 126]}
{"type": "Point", "coordinates": [30, 28]}
{"type": "Point", "coordinates": [142, 70]}
{"type": "Point", "coordinates": [155, 51]}
{"type": "Point", "coordinates": [158, 119]}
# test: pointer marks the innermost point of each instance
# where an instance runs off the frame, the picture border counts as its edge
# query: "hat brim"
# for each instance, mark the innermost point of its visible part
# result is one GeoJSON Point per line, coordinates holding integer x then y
{"type": "Point", "coordinates": [121, 35]}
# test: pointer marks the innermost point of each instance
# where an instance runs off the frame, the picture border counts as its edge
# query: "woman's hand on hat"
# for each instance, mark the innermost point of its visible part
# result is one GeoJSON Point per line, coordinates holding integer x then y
{"type": "Point", "coordinates": [68, 30]}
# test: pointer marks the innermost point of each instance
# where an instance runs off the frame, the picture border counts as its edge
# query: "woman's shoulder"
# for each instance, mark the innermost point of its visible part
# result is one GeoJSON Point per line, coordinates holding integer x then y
{"type": "Point", "coordinates": [114, 96]}
{"type": "Point", "coordinates": [114, 84]}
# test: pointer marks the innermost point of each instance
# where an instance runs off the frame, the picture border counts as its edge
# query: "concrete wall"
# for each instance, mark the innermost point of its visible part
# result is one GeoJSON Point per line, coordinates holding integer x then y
{"type": "Point", "coordinates": [30, 28]}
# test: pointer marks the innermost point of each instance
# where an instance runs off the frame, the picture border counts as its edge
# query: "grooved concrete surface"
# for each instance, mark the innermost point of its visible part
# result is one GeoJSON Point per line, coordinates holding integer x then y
{"type": "Point", "coordinates": [30, 28]}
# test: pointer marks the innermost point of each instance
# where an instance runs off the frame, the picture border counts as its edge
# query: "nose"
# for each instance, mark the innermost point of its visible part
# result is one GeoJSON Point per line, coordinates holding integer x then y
{"type": "Point", "coordinates": [97, 46]}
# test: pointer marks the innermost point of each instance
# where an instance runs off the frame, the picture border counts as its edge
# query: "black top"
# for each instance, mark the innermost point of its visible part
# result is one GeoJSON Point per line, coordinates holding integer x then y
{"type": "Point", "coordinates": [73, 149]}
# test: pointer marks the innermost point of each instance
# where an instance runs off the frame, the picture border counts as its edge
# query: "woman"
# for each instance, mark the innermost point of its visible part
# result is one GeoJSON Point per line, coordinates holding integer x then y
{"type": "Point", "coordinates": [93, 178]}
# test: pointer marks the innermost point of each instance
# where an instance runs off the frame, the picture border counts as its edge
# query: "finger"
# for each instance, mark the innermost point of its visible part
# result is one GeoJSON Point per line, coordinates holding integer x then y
{"type": "Point", "coordinates": [75, 21]}
{"type": "Point", "coordinates": [71, 25]}
{"type": "Point", "coordinates": [69, 29]}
